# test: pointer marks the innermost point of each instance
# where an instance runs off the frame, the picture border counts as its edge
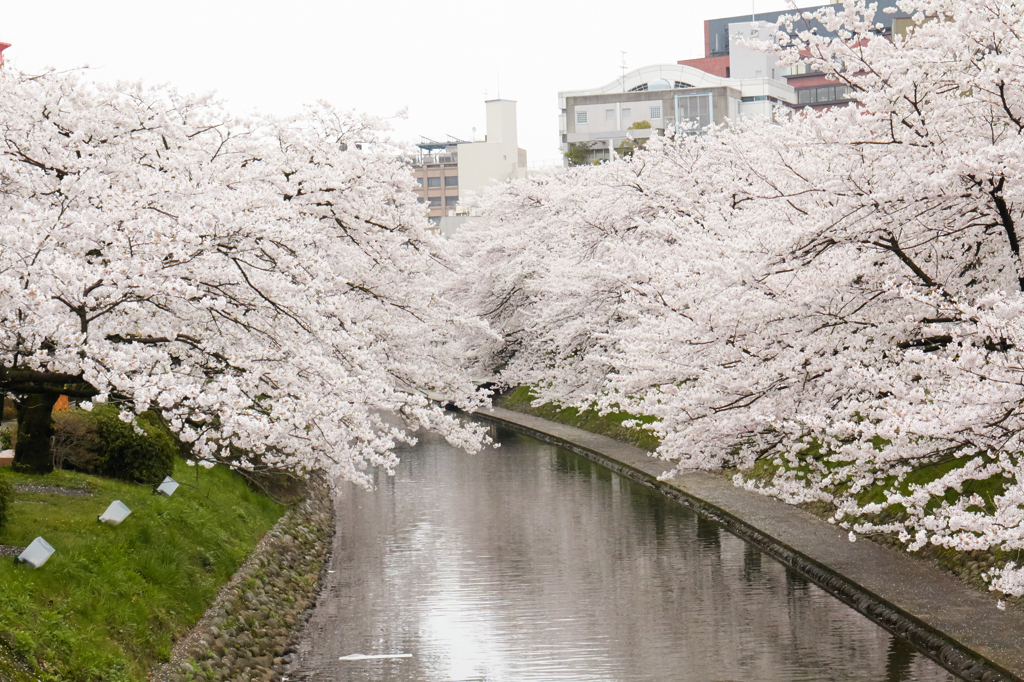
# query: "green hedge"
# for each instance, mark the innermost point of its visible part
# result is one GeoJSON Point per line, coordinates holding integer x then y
{"type": "Point", "coordinates": [125, 454]}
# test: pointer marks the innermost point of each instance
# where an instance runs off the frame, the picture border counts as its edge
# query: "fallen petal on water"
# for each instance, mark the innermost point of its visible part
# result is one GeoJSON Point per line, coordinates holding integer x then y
{"type": "Point", "coordinates": [366, 657]}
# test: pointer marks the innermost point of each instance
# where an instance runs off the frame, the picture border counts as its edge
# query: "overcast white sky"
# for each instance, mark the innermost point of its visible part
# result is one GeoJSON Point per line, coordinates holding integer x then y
{"type": "Point", "coordinates": [438, 58]}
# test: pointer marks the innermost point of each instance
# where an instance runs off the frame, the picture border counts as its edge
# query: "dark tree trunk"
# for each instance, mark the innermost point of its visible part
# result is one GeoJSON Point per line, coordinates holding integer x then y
{"type": "Point", "coordinates": [32, 454]}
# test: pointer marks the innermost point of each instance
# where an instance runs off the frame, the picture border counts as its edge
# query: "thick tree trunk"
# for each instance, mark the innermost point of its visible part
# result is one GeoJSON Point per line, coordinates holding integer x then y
{"type": "Point", "coordinates": [32, 454]}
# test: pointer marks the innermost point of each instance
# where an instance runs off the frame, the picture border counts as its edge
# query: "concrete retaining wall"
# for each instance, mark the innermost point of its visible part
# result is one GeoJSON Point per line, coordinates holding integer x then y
{"type": "Point", "coordinates": [998, 634]}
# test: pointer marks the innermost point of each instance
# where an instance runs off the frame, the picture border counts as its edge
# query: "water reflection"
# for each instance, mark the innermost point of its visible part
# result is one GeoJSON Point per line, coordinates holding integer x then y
{"type": "Point", "coordinates": [531, 563]}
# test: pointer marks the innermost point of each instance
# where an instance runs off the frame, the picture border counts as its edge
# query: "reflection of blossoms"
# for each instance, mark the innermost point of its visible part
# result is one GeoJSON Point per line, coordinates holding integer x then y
{"type": "Point", "coordinates": [832, 304]}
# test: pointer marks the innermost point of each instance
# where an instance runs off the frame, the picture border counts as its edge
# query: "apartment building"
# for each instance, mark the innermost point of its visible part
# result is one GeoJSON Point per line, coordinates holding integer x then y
{"type": "Point", "coordinates": [436, 169]}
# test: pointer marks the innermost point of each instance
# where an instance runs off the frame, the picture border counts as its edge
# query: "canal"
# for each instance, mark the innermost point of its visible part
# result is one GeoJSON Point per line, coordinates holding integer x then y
{"type": "Point", "coordinates": [528, 562]}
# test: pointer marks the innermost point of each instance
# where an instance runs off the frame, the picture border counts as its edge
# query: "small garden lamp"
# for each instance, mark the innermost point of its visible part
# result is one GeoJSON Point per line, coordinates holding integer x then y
{"type": "Point", "coordinates": [167, 488]}
{"type": "Point", "coordinates": [36, 554]}
{"type": "Point", "coordinates": [117, 512]}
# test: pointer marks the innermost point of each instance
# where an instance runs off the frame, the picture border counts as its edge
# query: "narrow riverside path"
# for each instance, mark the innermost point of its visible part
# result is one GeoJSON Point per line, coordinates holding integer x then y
{"type": "Point", "coordinates": [943, 616]}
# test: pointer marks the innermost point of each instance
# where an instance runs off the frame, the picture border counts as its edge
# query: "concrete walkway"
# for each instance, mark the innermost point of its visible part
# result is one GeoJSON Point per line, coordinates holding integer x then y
{"type": "Point", "coordinates": [952, 623]}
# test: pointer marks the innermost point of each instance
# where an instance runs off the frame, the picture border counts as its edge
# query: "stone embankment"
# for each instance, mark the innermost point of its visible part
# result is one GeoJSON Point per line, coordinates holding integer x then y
{"type": "Point", "coordinates": [252, 629]}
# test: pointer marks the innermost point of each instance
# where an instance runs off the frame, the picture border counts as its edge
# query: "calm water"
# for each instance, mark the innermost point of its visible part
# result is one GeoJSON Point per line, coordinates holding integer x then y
{"type": "Point", "coordinates": [530, 563]}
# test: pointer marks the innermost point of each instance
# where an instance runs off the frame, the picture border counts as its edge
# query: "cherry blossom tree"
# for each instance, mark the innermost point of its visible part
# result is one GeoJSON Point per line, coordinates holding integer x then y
{"type": "Point", "coordinates": [831, 304]}
{"type": "Point", "coordinates": [266, 285]}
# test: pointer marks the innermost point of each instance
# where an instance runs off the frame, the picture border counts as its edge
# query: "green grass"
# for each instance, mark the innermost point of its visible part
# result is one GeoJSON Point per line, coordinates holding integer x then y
{"type": "Point", "coordinates": [111, 601]}
{"type": "Point", "coordinates": [609, 424]}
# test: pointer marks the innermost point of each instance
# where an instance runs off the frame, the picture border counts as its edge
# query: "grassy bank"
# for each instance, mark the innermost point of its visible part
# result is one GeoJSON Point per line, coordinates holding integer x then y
{"type": "Point", "coordinates": [609, 424]}
{"type": "Point", "coordinates": [969, 566]}
{"type": "Point", "coordinates": [111, 601]}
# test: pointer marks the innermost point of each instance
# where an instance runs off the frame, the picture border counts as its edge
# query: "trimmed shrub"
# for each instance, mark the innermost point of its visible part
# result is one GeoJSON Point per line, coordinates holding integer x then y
{"type": "Point", "coordinates": [74, 443]}
{"type": "Point", "coordinates": [123, 453]}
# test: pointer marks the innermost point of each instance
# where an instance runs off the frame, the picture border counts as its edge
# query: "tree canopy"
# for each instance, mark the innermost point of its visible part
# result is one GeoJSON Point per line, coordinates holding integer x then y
{"type": "Point", "coordinates": [267, 285]}
{"type": "Point", "coordinates": [831, 303]}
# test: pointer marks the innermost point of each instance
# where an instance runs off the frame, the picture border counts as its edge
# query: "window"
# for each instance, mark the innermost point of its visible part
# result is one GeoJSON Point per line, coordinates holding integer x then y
{"type": "Point", "coordinates": [609, 114]}
{"type": "Point", "coordinates": [805, 96]}
{"type": "Point", "coordinates": [694, 109]}
{"type": "Point", "coordinates": [435, 201]}
{"type": "Point", "coordinates": [581, 117]}
{"type": "Point", "coordinates": [419, 181]}
{"type": "Point", "coordinates": [626, 113]}
{"type": "Point", "coordinates": [433, 182]}
{"type": "Point", "coordinates": [420, 200]}
{"type": "Point", "coordinates": [451, 181]}
{"type": "Point", "coordinates": [451, 201]}
{"type": "Point", "coordinates": [436, 220]}
{"type": "Point", "coordinates": [655, 112]}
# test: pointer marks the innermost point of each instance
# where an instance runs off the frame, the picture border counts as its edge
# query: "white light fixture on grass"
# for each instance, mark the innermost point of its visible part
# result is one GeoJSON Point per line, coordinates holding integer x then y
{"type": "Point", "coordinates": [115, 514]}
{"type": "Point", "coordinates": [167, 488]}
{"type": "Point", "coordinates": [36, 554]}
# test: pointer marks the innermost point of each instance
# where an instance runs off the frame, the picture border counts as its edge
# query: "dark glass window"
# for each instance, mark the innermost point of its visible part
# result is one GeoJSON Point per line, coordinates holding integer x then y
{"type": "Point", "coordinates": [451, 201]}
{"type": "Point", "coordinates": [433, 182]}
{"type": "Point", "coordinates": [451, 181]}
{"type": "Point", "coordinates": [435, 201]}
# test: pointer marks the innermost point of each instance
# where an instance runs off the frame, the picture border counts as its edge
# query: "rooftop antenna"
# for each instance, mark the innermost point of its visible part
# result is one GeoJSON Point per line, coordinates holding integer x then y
{"type": "Point", "coordinates": [623, 70]}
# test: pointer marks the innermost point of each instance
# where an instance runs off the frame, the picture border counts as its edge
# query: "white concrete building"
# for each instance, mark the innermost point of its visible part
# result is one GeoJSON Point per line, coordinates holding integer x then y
{"type": "Point", "coordinates": [669, 97]}
{"type": "Point", "coordinates": [498, 158]}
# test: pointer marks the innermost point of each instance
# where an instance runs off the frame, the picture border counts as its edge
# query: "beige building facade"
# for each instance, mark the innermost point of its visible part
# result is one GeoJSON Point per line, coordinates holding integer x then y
{"type": "Point", "coordinates": [436, 170]}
